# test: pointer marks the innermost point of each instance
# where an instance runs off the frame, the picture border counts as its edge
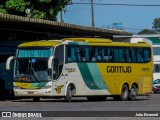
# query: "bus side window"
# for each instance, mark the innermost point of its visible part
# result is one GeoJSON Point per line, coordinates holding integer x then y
{"type": "Point", "coordinates": [92, 54]}
{"type": "Point", "coordinates": [121, 55]}
{"type": "Point", "coordinates": [82, 53]}
{"type": "Point", "coordinates": [99, 54]}
{"type": "Point", "coordinates": [87, 53]}
{"type": "Point", "coordinates": [110, 54]}
{"type": "Point", "coordinates": [126, 55]}
{"type": "Point", "coordinates": [106, 57]}
{"type": "Point", "coordinates": [72, 54]}
{"type": "Point", "coordinates": [139, 55]}
{"type": "Point", "coordinates": [146, 55]}
{"type": "Point", "coordinates": [68, 54]}
{"type": "Point", "coordinates": [77, 54]}
{"type": "Point", "coordinates": [116, 55]}
{"type": "Point", "coordinates": [133, 55]}
{"type": "Point", "coordinates": [58, 61]}
{"type": "Point", "coordinates": [96, 54]}
{"type": "Point", "coordinates": [102, 54]}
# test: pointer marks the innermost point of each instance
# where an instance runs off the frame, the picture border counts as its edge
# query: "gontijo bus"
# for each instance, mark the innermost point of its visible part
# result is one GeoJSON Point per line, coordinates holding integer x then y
{"type": "Point", "coordinates": [90, 67]}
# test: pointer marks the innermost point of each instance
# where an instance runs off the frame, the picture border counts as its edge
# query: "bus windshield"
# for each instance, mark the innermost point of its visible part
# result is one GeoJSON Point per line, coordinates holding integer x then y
{"type": "Point", "coordinates": [31, 65]}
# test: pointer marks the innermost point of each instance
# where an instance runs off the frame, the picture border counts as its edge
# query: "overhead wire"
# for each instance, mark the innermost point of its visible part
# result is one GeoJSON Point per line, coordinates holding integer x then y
{"type": "Point", "coordinates": [140, 5]}
{"type": "Point", "coordinates": [117, 4]}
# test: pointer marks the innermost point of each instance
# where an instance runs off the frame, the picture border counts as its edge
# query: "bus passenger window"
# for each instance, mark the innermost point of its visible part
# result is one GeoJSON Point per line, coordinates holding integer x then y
{"type": "Point", "coordinates": [87, 54]}
{"type": "Point", "coordinates": [77, 54]}
{"type": "Point", "coordinates": [72, 54]}
{"type": "Point", "coordinates": [106, 55]}
{"type": "Point", "coordinates": [68, 59]}
{"type": "Point", "coordinates": [93, 59]}
{"type": "Point", "coordinates": [68, 54]}
{"type": "Point", "coordinates": [93, 55]}
{"type": "Point", "coordinates": [126, 55]}
{"type": "Point", "coordinates": [139, 55]}
{"type": "Point", "coordinates": [146, 55]}
{"type": "Point", "coordinates": [121, 55]}
{"type": "Point", "coordinates": [110, 53]}
{"type": "Point", "coordinates": [99, 55]}
{"type": "Point", "coordinates": [116, 55]}
{"type": "Point", "coordinates": [82, 53]}
{"type": "Point", "coordinates": [96, 54]}
{"type": "Point", "coordinates": [133, 54]}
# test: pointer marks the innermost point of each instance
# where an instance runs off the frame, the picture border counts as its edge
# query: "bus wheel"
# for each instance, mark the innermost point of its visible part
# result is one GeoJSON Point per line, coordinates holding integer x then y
{"type": "Point", "coordinates": [69, 94]}
{"type": "Point", "coordinates": [36, 99]}
{"type": "Point", "coordinates": [124, 93]}
{"type": "Point", "coordinates": [133, 92]}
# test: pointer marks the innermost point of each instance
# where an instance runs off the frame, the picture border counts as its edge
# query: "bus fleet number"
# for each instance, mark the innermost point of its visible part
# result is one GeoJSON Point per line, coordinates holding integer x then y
{"type": "Point", "coordinates": [145, 69]}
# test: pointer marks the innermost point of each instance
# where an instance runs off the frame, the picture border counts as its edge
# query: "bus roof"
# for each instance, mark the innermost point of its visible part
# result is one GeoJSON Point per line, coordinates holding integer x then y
{"type": "Point", "coordinates": [89, 40]}
{"type": "Point", "coordinates": [40, 43]}
{"type": "Point", "coordinates": [78, 41]}
{"type": "Point", "coordinates": [104, 42]}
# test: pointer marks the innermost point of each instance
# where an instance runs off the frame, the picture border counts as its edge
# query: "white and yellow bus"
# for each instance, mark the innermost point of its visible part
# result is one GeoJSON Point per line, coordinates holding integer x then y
{"type": "Point", "coordinates": [90, 67]}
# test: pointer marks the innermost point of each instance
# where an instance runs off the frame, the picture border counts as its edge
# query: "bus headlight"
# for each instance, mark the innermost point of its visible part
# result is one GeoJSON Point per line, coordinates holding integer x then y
{"type": "Point", "coordinates": [16, 87]}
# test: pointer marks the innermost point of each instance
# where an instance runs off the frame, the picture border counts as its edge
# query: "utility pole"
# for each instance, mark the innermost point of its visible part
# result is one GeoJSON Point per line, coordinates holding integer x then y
{"type": "Point", "coordinates": [92, 9]}
{"type": "Point", "coordinates": [61, 16]}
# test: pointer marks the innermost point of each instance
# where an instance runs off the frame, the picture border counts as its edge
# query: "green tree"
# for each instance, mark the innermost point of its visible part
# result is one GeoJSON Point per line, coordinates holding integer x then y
{"type": "Point", "coordinates": [146, 31]}
{"type": "Point", "coordinates": [156, 23]}
{"type": "Point", "coordinates": [43, 9]}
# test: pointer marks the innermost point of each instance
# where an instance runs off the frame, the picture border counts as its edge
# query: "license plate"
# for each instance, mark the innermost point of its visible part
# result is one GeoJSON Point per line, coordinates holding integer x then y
{"type": "Point", "coordinates": [30, 92]}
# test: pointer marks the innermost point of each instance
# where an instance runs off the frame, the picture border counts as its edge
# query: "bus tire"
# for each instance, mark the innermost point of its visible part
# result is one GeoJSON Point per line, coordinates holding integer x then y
{"type": "Point", "coordinates": [69, 94]}
{"type": "Point", "coordinates": [36, 99]}
{"type": "Point", "coordinates": [124, 93]}
{"type": "Point", "coordinates": [133, 92]}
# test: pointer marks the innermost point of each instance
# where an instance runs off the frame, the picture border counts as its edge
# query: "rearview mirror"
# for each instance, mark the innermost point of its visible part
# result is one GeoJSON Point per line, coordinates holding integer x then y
{"type": "Point", "coordinates": [9, 61]}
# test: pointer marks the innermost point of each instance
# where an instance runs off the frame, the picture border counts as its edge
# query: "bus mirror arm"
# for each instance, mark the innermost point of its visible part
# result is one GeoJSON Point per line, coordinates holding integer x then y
{"type": "Point", "coordinates": [9, 61]}
{"type": "Point", "coordinates": [50, 62]}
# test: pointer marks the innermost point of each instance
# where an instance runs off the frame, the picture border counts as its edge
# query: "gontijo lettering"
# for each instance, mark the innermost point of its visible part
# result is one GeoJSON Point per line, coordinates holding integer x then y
{"type": "Point", "coordinates": [119, 69]}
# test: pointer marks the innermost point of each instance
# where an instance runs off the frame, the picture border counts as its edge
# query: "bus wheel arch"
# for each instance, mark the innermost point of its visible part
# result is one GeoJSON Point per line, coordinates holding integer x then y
{"type": "Point", "coordinates": [124, 92]}
{"type": "Point", "coordinates": [70, 91]}
{"type": "Point", "coordinates": [133, 91]}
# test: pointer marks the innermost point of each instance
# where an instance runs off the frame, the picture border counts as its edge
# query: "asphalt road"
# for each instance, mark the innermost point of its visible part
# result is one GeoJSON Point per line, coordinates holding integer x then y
{"type": "Point", "coordinates": [81, 104]}
{"type": "Point", "coordinates": [59, 106]}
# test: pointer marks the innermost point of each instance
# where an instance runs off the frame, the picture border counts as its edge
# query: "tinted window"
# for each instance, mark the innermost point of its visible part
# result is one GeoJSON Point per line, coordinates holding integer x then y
{"type": "Point", "coordinates": [107, 54]}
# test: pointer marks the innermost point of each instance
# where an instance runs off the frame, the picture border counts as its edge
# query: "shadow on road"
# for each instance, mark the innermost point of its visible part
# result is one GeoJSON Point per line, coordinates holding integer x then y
{"type": "Point", "coordinates": [74, 100]}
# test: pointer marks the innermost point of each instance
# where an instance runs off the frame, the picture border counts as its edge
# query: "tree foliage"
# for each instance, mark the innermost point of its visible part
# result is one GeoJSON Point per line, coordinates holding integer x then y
{"type": "Point", "coordinates": [146, 31]}
{"type": "Point", "coordinates": [44, 9]}
{"type": "Point", "coordinates": [156, 23]}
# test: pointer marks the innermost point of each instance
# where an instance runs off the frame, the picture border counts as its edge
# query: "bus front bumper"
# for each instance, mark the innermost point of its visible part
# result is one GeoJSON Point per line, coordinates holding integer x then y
{"type": "Point", "coordinates": [33, 93]}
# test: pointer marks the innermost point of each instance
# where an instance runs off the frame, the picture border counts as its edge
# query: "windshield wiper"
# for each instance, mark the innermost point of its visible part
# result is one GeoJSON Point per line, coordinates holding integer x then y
{"type": "Point", "coordinates": [35, 75]}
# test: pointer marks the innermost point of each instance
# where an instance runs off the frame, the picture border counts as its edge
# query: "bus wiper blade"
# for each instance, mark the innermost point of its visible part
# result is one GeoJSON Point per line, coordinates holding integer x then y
{"type": "Point", "coordinates": [35, 75]}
